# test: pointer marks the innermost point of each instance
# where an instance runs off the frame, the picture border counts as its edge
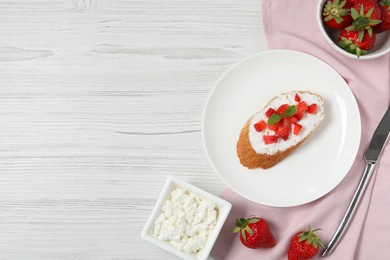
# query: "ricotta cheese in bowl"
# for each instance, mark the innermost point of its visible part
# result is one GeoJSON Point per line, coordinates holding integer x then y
{"type": "Point", "coordinates": [186, 220]}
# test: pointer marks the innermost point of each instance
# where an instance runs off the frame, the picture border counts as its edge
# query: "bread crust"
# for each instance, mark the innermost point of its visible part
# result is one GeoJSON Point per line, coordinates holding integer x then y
{"type": "Point", "coordinates": [248, 156]}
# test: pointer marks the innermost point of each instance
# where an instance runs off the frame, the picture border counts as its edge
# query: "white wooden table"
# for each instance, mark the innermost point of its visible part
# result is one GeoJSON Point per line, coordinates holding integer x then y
{"type": "Point", "coordinates": [100, 101]}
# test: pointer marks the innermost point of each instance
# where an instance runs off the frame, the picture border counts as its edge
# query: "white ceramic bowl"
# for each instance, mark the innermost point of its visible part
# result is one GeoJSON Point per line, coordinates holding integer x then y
{"type": "Point", "coordinates": [382, 44]}
{"type": "Point", "coordinates": [223, 209]}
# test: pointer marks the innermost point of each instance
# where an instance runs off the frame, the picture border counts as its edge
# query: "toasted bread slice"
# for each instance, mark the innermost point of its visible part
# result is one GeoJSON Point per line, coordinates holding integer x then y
{"type": "Point", "coordinates": [253, 152]}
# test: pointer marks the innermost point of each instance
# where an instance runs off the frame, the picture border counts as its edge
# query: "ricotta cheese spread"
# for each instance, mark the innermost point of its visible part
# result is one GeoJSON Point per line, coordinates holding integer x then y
{"type": "Point", "coordinates": [308, 122]}
{"type": "Point", "coordinates": [185, 221]}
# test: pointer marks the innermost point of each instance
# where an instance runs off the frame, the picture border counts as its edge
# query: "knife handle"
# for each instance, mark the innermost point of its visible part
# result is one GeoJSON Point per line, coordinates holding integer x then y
{"type": "Point", "coordinates": [368, 170]}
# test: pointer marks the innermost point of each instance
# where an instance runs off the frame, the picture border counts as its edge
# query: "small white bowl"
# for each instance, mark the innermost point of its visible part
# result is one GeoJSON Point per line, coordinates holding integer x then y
{"type": "Point", "coordinates": [223, 209]}
{"type": "Point", "coordinates": [381, 47]}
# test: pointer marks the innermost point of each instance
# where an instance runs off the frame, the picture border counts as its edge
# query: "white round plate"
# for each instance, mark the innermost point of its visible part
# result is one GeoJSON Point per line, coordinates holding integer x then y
{"type": "Point", "coordinates": [318, 165]}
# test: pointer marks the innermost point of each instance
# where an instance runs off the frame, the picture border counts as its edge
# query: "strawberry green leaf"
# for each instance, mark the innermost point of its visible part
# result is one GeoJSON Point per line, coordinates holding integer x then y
{"type": "Point", "coordinates": [385, 3]}
{"type": "Point", "coordinates": [358, 52]}
{"type": "Point", "coordinates": [243, 234]}
{"type": "Point", "coordinates": [369, 13]}
{"type": "Point", "coordinates": [310, 237]}
{"type": "Point", "coordinates": [338, 19]}
{"type": "Point", "coordinates": [328, 18]}
{"type": "Point", "coordinates": [370, 33]}
{"type": "Point", "coordinates": [334, 10]}
{"type": "Point", "coordinates": [360, 36]}
{"type": "Point", "coordinates": [354, 13]}
{"type": "Point", "coordinates": [236, 229]}
{"type": "Point", "coordinates": [253, 220]}
{"type": "Point", "coordinates": [302, 238]}
{"type": "Point", "coordinates": [249, 230]}
{"type": "Point", "coordinates": [320, 243]}
{"type": "Point", "coordinates": [375, 22]}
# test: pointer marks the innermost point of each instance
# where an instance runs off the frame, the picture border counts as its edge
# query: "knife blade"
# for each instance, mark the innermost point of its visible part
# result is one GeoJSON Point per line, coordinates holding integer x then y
{"type": "Point", "coordinates": [371, 157]}
{"type": "Point", "coordinates": [379, 139]}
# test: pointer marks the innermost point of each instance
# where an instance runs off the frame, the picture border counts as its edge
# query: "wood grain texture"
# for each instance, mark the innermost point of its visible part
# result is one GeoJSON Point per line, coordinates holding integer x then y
{"type": "Point", "coordinates": [100, 101]}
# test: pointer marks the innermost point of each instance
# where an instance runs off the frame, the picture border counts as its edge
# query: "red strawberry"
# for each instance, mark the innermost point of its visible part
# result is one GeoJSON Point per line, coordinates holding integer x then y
{"type": "Point", "coordinates": [354, 1]}
{"type": "Point", "coordinates": [366, 14]}
{"type": "Point", "coordinates": [297, 98]}
{"type": "Point", "coordinates": [304, 245]}
{"type": "Point", "coordinates": [260, 126]}
{"type": "Point", "coordinates": [270, 139]}
{"type": "Point", "coordinates": [284, 132]}
{"type": "Point", "coordinates": [351, 42]}
{"type": "Point", "coordinates": [384, 5]}
{"type": "Point", "coordinates": [297, 129]}
{"type": "Point", "coordinates": [293, 119]}
{"type": "Point", "coordinates": [301, 107]}
{"type": "Point", "coordinates": [273, 127]}
{"type": "Point", "coordinates": [312, 109]}
{"type": "Point", "coordinates": [336, 14]}
{"type": "Point", "coordinates": [254, 232]}
{"type": "Point", "coordinates": [286, 121]}
{"type": "Point", "coordinates": [298, 116]}
{"type": "Point", "coordinates": [367, 6]}
{"type": "Point", "coordinates": [282, 109]}
{"type": "Point", "coordinates": [270, 112]}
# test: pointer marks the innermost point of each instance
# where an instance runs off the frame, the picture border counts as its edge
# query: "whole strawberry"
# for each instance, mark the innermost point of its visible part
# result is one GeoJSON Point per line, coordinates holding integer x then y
{"type": "Point", "coordinates": [384, 5]}
{"type": "Point", "coordinates": [368, 5]}
{"type": "Point", "coordinates": [355, 42]}
{"type": "Point", "coordinates": [366, 14]}
{"type": "Point", "coordinates": [254, 232]}
{"type": "Point", "coordinates": [336, 14]}
{"type": "Point", "coordinates": [304, 245]}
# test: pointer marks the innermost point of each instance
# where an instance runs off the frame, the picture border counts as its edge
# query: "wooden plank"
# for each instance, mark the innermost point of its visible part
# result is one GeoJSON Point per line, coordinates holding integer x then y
{"type": "Point", "coordinates": [100, 101]}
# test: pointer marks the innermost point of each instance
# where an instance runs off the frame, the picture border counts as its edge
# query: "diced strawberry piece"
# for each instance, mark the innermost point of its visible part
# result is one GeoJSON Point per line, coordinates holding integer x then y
{"type": "Point", "coordinates": [312, 109]}
{"type": "Point", "coordinates": [269, 139]}
{"type": "Point", "coordinates": [293, 119]}
{"type": "Point", "coordinates": [274, 127]}
{"type": "Point", "coordinates": [285, 137]}
{"type": "Point", "coordinates": [297, 97]}
{"type": "Point", "coordinates": [286, 121]}
{"type": "Point", "coordinates": [298, 116]}
{"type": "Point", "coordinates": [297, 129]}
{"type": "Point", "coordinates": [282, 109]}
{"type": "Point", "coordinates": [301, 107]}
{"type": "Point", "coordinates": [260, 126]}
{"type": "Point", "coordinates": [284, 132]}
{"type": "Point", "coordinates": [270, 112]}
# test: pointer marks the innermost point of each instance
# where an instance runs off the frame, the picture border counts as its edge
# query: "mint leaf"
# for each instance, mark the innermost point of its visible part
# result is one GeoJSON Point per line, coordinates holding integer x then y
{"type": "Point", "coordinates": [290, 111]}
{"type": "Point", "coordinates": [274, 119]}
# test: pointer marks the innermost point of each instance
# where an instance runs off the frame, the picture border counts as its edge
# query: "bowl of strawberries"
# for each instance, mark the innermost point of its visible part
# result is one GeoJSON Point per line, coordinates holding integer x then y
{"type": "Point", "coordinates": [359, 29]}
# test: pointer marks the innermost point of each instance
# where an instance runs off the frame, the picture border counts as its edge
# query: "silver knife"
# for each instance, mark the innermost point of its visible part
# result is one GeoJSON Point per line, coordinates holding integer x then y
{"type": "Point", "coordinates": [371, 157]}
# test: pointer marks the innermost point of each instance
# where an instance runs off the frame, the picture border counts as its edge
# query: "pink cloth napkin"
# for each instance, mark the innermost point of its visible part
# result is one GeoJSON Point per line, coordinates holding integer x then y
{"type": "Point", "coordinates": [292, 25]}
